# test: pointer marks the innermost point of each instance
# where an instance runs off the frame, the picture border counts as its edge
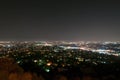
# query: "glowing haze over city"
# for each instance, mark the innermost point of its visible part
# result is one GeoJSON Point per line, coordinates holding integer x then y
{"type": "Point", "coordinates": [57, 20]}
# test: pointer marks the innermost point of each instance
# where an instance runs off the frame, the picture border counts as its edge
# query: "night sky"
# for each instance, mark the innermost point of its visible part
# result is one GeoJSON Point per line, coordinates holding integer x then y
{"type": "Point", "coordinates": [60, 20]}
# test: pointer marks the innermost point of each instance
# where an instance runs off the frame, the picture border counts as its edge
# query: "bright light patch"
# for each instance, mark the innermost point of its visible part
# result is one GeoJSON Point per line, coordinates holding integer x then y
{"type": "Point", "coordinates": [47, 70]}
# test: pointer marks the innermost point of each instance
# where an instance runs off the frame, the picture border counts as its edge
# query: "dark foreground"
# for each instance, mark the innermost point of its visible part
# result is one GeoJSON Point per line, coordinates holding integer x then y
{"type": "Point", "coordinates": [9, 70]}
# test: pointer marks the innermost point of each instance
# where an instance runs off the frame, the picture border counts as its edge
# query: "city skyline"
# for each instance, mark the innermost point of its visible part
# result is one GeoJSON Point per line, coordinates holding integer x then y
{"type": "Point", "coordinates": [59, 21]}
